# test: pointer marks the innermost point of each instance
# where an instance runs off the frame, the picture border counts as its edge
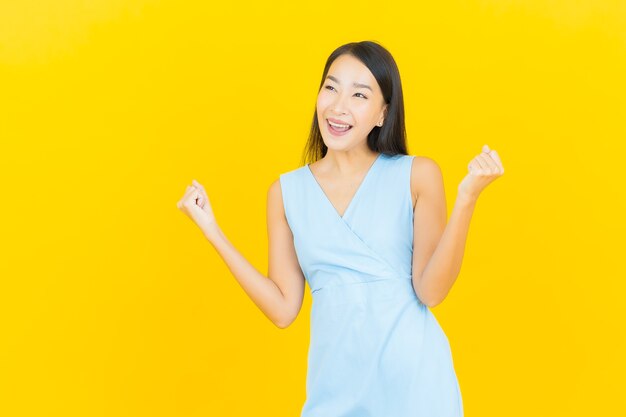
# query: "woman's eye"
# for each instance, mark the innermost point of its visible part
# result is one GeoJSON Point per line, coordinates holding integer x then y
{"type": "Point", "coordinates": [328, 87]}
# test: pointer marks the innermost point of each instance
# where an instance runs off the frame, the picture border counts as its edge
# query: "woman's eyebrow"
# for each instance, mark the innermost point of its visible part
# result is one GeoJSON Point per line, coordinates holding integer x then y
{"type": "Point", "coordinates": [357, 85]}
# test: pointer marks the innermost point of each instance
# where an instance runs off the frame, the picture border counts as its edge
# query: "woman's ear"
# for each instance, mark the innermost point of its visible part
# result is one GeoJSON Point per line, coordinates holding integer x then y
{"type": "Point", "coordinates": [384, 114]}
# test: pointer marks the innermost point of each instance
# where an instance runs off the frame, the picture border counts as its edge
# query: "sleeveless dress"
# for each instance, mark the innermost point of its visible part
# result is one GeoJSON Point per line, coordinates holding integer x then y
{"type": "Point", "coordinates": [375, 349]}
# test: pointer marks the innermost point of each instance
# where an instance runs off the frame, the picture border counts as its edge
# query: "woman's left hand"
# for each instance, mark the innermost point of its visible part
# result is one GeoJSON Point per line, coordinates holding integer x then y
{"type": "Point", "coordinates": [483, 170]}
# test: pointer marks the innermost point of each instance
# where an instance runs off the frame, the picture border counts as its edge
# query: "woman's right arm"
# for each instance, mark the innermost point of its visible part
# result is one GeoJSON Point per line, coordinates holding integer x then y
{"type": "Point", "coordinates": [279, 295]}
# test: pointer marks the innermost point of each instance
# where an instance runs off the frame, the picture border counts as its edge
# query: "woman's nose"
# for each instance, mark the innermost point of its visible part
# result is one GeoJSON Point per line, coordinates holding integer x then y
{"type": "Point", "coordinates": [340, 104]}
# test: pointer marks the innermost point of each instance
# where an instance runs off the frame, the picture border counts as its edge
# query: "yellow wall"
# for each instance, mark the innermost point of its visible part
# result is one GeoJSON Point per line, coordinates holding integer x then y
{"type": "Point", "coordinates": [113, 304]}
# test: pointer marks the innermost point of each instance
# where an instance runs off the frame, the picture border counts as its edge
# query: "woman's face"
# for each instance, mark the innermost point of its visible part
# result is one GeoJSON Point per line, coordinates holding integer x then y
{"type": "Point", "coordinates": [350, 95]}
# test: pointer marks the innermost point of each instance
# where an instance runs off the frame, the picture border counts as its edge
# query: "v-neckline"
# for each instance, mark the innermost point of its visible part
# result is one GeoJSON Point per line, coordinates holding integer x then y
{"type": "Point", "coordinates": [354, 196]}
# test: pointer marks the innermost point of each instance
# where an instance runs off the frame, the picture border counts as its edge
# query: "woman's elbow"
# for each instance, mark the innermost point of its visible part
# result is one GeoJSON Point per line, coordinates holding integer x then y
{"type": "Point", "coordinates": [430, 300]}
{"type": "Point", "coordinates": [283, 324]}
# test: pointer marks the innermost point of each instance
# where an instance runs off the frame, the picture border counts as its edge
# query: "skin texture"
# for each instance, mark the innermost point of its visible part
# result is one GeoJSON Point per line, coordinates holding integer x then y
{"type": "Point", "coordinates": [438, 246]}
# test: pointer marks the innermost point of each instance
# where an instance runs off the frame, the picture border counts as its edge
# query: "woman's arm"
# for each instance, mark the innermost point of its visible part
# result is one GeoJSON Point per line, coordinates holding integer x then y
{"type": "Point", "coordinates": [279, 297]}
{"type": "Point", "coordinates": [438, 247]}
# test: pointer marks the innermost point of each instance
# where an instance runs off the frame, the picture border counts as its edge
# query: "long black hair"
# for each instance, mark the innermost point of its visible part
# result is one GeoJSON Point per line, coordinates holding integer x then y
{"type": "Point", "coordinates": [390, 138]}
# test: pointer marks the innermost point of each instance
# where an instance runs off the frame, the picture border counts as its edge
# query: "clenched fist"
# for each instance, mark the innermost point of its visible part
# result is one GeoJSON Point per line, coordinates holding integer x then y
{"type": "Point", "coordinates": [195, 204]}
{"type": "Point", "coordinates": [483, 169]}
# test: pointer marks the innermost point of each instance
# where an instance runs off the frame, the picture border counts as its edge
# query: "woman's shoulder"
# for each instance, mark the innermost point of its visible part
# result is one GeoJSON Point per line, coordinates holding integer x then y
{"type": "Point", "coordinates": [293, 173]}
{"type": "Point", "coordinates": [288, 179]}
{"type": "Point", "coordinates": [425, 173]}
{"type": "Point", "coordinates": [419, 163]}
{"type": "Point", "coordinates": [423, 162]}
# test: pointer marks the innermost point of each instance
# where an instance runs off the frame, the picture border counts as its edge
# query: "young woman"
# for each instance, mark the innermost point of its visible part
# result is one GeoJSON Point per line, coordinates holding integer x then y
{"type": "Point", "coordinates": [365, 226]}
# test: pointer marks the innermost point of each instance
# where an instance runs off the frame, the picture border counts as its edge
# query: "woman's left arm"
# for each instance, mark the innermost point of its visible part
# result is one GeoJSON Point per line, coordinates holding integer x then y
{"type": "Point", "coordinates": [438, 250]}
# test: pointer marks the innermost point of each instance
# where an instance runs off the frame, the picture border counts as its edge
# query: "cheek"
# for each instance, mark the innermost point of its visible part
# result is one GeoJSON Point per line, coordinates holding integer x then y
{"type": "Point", "coordinates": [323, 101]}
{"type": "Point", "coordinates": [361, 113]}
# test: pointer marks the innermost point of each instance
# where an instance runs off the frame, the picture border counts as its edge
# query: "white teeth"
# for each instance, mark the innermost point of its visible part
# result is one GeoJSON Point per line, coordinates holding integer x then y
{"type": "Point", "coordinates": [338, 126]}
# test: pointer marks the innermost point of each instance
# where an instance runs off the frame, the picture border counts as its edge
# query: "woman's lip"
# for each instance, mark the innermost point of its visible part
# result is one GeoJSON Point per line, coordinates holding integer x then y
{"type": "Point", "coordinates": [336, 133]}
{"type": "Point", "coordinates": [339, 122]}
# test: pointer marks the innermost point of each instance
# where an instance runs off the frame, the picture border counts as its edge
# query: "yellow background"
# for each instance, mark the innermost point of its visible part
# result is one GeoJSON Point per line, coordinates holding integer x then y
{"type": "Point", "coordinates": [112, 303]}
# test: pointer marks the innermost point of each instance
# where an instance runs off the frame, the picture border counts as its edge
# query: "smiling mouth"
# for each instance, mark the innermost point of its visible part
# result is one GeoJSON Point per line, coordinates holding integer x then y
{"type": "Point", "coordinates": [335, 127]}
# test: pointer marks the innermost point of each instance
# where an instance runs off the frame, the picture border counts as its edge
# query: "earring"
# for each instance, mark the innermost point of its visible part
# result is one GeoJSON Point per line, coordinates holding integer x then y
{"type": "Point", "coordinates": [380, 124]}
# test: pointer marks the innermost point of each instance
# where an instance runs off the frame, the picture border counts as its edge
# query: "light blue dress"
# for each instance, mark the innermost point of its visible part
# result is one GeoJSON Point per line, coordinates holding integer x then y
{"type": "Point", "coordinates": [375, 349]}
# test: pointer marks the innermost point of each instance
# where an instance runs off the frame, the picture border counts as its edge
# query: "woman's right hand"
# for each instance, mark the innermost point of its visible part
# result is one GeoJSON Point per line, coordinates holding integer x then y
{"type": "Point", "coordinates": [195, 204]}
